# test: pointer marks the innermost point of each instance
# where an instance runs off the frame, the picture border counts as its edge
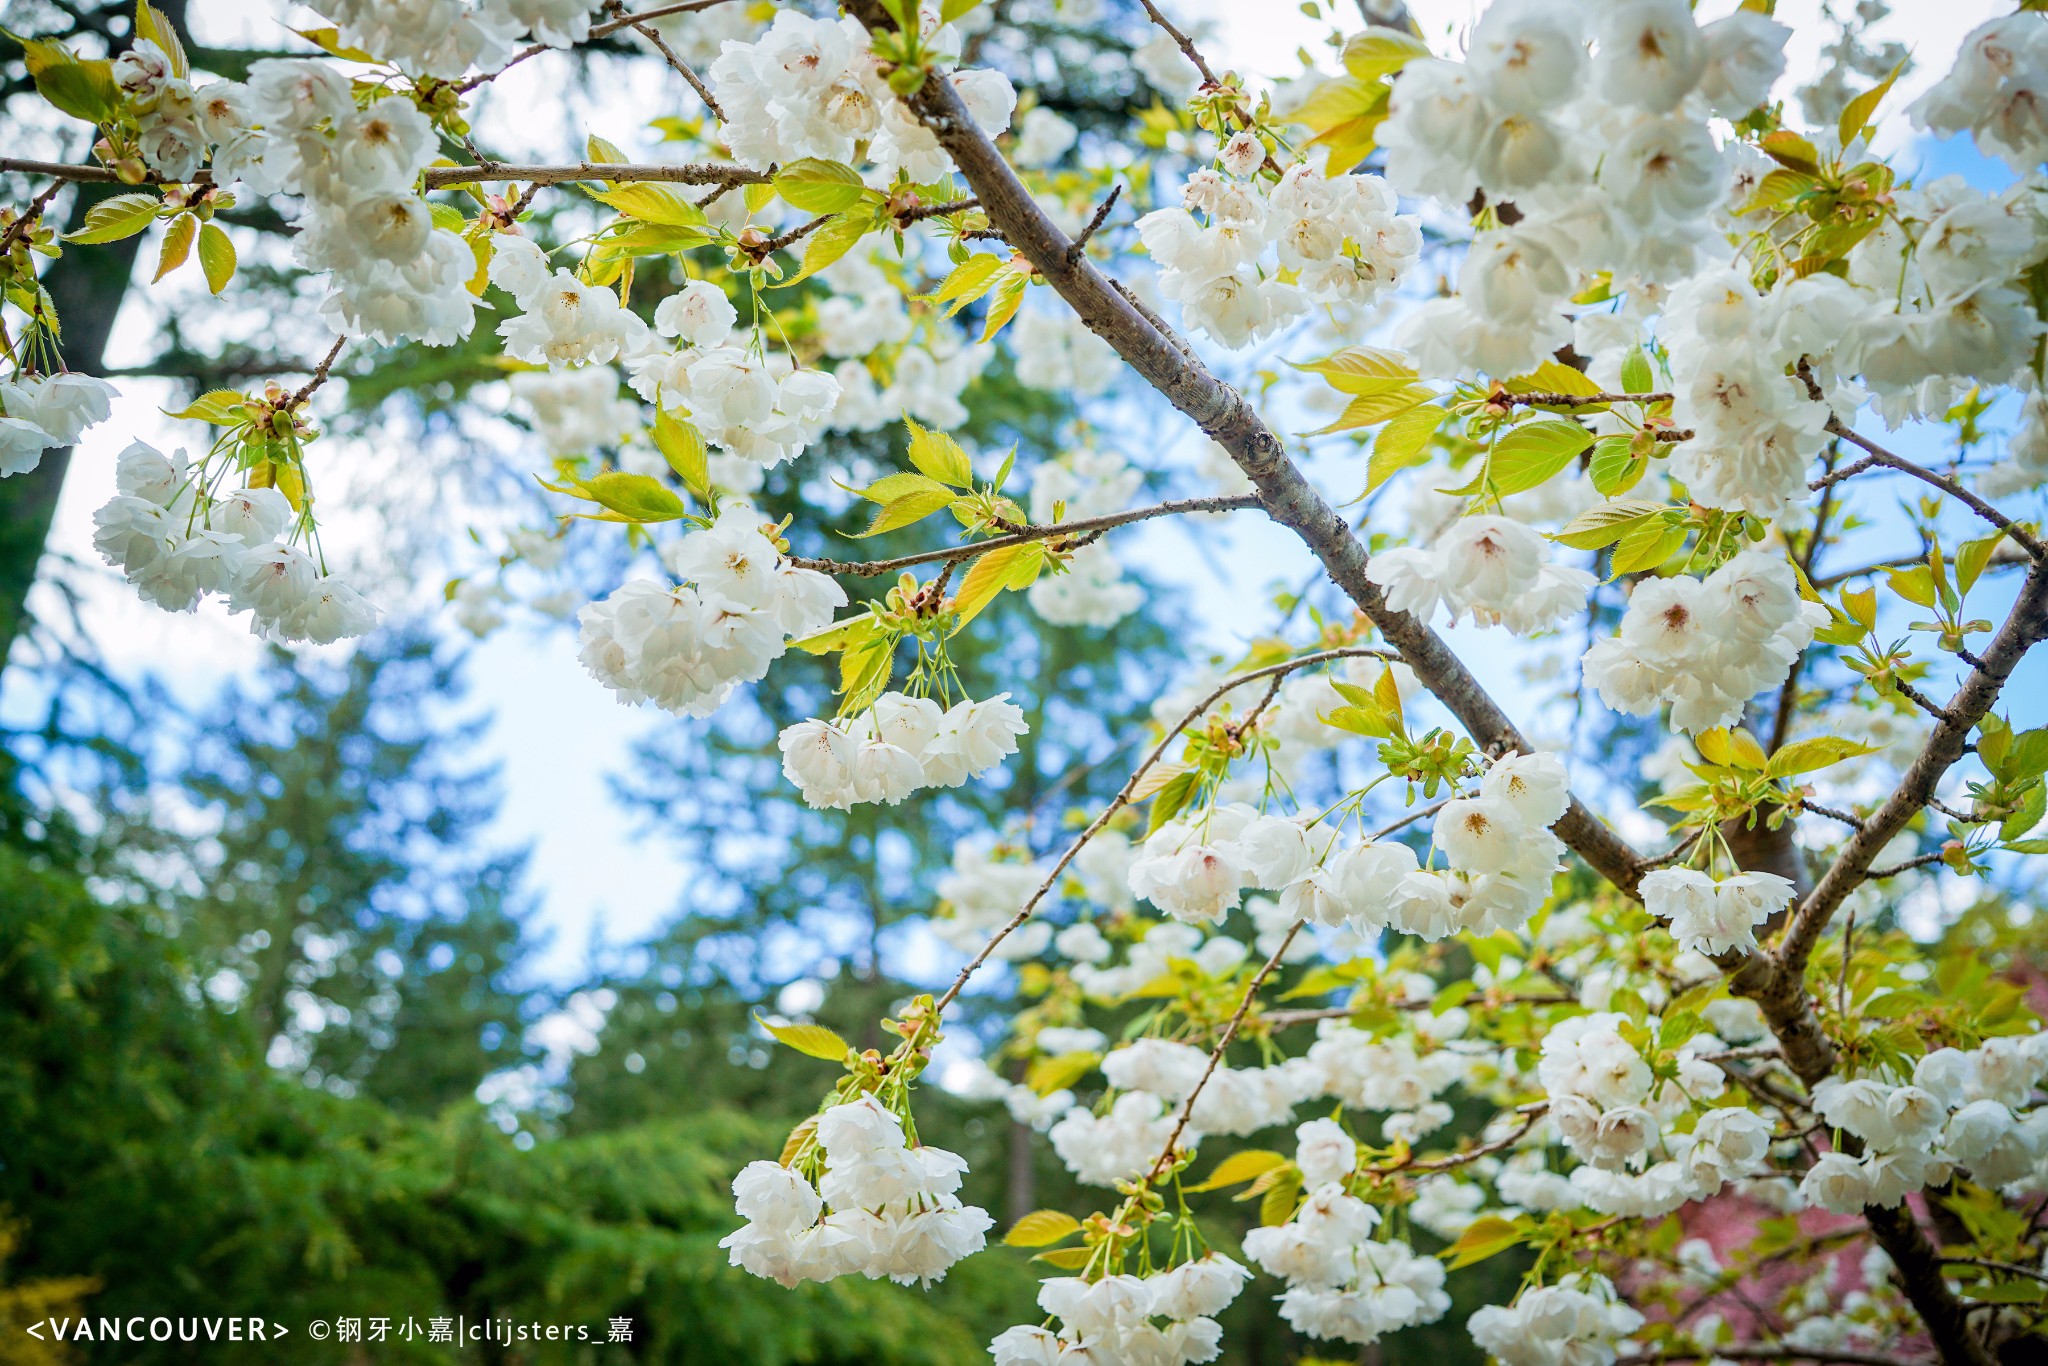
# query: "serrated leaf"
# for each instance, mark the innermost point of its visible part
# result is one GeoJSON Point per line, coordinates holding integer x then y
{"type": "Point", "coordinates": [1614, 467]}
{"type": "Point", "coordinates": [816, 185]}
{"type": "Point", "coordinates": [1807, 756]}
{"type": "Point", "coordinates": [1006, 296]}
{"type": "Point", "coordinates": [938, 455]}
{"type": "Point", "coordinates": [1856, 113]}
{"type": "Point", "coordinates": [328, 40]}
{"type": "Point", "coordinates": [216, 257]}
{"type": "Point", "coordinates": [1381, 51]}
{"type": "Point", "coordinates": [1172, 798]}
{"type": "Point", "coordinates": [1367, 409]}
{"type": "Point", "coordinates": [1362, 370]}
{"type": "Point", "coordinates": [799, 1139]}
{"type": "Point", "coordinates": [1553, 377]}
{"type": "Point", "coordinates": [1402, 443]}
{"type": "Point", "coordinates": [1973, 557]}
{"type": "Point", "coordinates": [1066, 1258]}
{"type": "Point", "coordinates": [110, 220]}
{"type": "Point", "coordinates": [602, 151]}
{"type": "Point", "coordinates": [635, 497]}
{"type": "Point", "coordinates": [682, 445]}
{"type": "Point", "coordinates": [1486, 1236]}
{"type": "Point", "coordinates": [1646, 546]}
{"type": "Point", "coordinates": [1156, 777]}
{"type": "Point", "coordinates": [178, 238]}
{"type": "Point", "coordinates": [653, 202]}
{"type": "Point", "coordinates": [1527, 455]}
{"type": "Point", "coordinates": [1277, 1206]}
{"type": "Point", "coordinates": [967, 281]}
{"type": "Point", "coordinates": [1239, 1168]}
{"type": "Point", "coordinates": [812, 1040]}
{"type": "Point", "coordinates": [911, 507]}
{"type": "Point", "coordinates": [991, 573]}
{"type": "Point", "coordinates": [864, 669]}
{"type": "Point", "coordinates": [221, 407]}
{"type": "Point", "coordinates": [830, 242]}
{"type": "Point", "coordinates": [1041, 1228]}
{"type": "Point", "coordinates": [1606, 523]}
{"type": "Point", "coordinates": [153, 24]}
{"type": "Point", "coordinates": [82, 89]}
{"type": "Point", "coordinates": [1792, 151]}
{"type": "Point", "coordinates": [839, 635]}
{"type": "Point", "coordinates": [1636, 375]}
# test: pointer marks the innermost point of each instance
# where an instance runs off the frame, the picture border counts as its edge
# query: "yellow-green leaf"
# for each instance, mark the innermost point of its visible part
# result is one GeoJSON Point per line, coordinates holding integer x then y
{"type": "Point", "coordinates": [1484, 1237]}
{"type": "Point", "coordinates": [1402, 443]}
{"type": "Point", "coordinates": [1239, 1168]}
{"type": "Point", "coordinates": [1606, 523]}
{"type": "Point", "coordinates": [177, 245]}
{"type": "Point", "coordinates": [221, 407]}
{"type": "Point", "coordinates": [1527, 455]}
{"type": "Point", "coordinates": [216, 257]}
{"type": "Point", "coordinates": [153, 24]}
{"type": "Point", "coordinates": [1362, 370]}
{"type": "Point", "coordinates": [110, 220]}
{"type": "Point", "coordinates": [810, 1039]}
{"type": "Point", "coordinates": [1367, 409]}
{"type": "Point", "coordinates": [1821, 751]}
{"type": "Point", "coordinates": [815, 185]}
{"type": "Point", "coordinates": [1006, 295]}
{"type": "Point", "coordinates": [1856, 113]}
{"type": "Point", "coordinates": [652, 202]}
{"type": "Point", "coordinates": [635, 497]}
{"type": "Point", "coordinates": [1041, 1228]}
{"type": "Point", "coordinates": [994, 571]}
{"type": "Point", "coordinates": [1048, 1075]}
{"type": "Point", "coordinates": [682, 445]}
{"type": "Point", "coordinates": [1066, 1258]}
{"type": "Point", "coordinates": [911, 507]}
{"type": "Point", "coordinates": [830, 242]}
{"type": "Point", "coordinates": [938, 455]}
{"type": "Point", "coordinates": [1381, 51]}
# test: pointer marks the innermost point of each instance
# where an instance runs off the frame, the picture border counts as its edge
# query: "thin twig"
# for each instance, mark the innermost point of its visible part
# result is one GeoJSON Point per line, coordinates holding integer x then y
{"type": "Point", "coordinates": [1094, 224]}
{"type": "Point", "coordinates": [320, 371]}
{"type": "Point", "coordinates": [868, 569]}
{"type": "Point", "coordinates": [604, 30]}
{"type": "Point", "coordinates": [614, 7]}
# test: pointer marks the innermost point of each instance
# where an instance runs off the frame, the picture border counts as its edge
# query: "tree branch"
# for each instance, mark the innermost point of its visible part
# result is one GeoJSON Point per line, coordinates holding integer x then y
{"type": "Point", "coordinates": [1223, 414]}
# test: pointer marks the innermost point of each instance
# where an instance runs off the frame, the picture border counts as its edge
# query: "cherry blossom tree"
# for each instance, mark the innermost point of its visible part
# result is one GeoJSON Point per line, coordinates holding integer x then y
{"type": "Point", "coordinates": [1705, 412]}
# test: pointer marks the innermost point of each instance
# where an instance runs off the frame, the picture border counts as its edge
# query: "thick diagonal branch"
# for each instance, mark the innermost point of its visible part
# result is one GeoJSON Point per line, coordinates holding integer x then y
{"type": "Point", "coordinates": [1222, 413]}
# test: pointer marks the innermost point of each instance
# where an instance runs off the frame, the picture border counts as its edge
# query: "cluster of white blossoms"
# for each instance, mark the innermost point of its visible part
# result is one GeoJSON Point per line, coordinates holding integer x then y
{"type": "Point", "coordinates": [562, 320]}
{"type": "Point", "coordinates": [685, 648]}
{"type": "Point", "coordinates": [1341, 1283]}
{"type": "Point", "coordinates": [1613, 1113]}
{"type": "Point", "coordinates": [1057, 353]}
{"type": "Point", "coordinates": [1972, 1110]}
{"type": "Point", "coordinates": [1577, 1322]}
{"type": "Point", "coordinates": [1092, 590]}
{"type": "Point", "coordinates": [1119, 1144]}
{"type": "Point", "coordinates": [1996, 91]}
{"type": "Point", "coordinates": [1390, 1075]}
{"type": "Point", "coordinates": [986, 886]}
{"type": "Point", "coordinates": [897, 746]}
{"type": "Point", "coordinates": [1117, 1320]}
{"type": "Point", "coordinates": [445, 39]}
{"type": "Point", "coordinates": [1606, 157]}
{"type": "Point", "coordinates": [1489, 567]}
{"type": "Point", "coordinates": [1712, 917]}
{"type": "Point", "coordinates": [888, 363]}
{"type": "Point", "coordinates": [1342, 237]}
{"type": "Point", "coordinates": [576, 410]}
{"type": "Point", "coordinates": [176, 544]}
{"type": "Point", "coordinates": [1232, 1101]}
{"type": "Point", "coordinates": [1196, 866]}
{"type": "Point", "coordinates": [811, 88]}
{"type": "Point", "coordinates": [294, 127]}
{"type": "Point", "coordinates": [751, 404]}
{"type": "Point", "coordinates": [887, 1209]}
{"type": "Point", "coordinates": [45, 412]}
{"type": "Point", "coordinates": [1705, 646]}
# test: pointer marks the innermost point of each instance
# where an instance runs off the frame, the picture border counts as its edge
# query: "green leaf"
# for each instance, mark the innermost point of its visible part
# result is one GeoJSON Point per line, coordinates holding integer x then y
{"type": "Point", "coordinates": [328, 40]}
{"type": "Point", "coordinates": [1552, 377]}
{"type": "Point", "coordinates": [1402, 443]}
{"type": "Point", "coordinates": [1381, 52]}
{"type": "Point", "coordinates": [1972, 557]}
{"type": "Point", "coordinates": [1367, 409]}
{"type": "Point", "coordinates": [939, 456]}
{"type": "Point", "coordinates": [1041, 1228]}
{"type": "Point", "coordinates": [216, 257]}
{"type": "Point", "coordinates": [840, 635]}
{"type": "Point", "coordinates": [1485, 1237]}
{"type": "Point", "coordinates": [1527, 455]}
{"type": "Point", "coordinates": [954, 9]}
{"type": "Point", "coordinates": [967, 281]}
{"type": "Point", "coordinates": [221, 407]}
{"type": "Point", "coordinates": [864, 669]}
{"type": "Point", "coordinates": [153, 24]}
{"type": "Point", "coordinates": [829, 243]}
{"type": "Point", "coordinates": [1606, 523]}
{"type": "Point", "coordinates": [1239, 1168]}
{"type": "Point", "coordinates": [110, 220]}
{"type": "Point", "coordinates": [1362, 370]}
{"type": "Point", "coordinates": [651, 202]}
{"type": "Point", "coordinates": [901, 484]}
{"type": "Point", "coordinates": [812, 1040]}
{"type": "Point", "coordinates": [1915, 585]}
{"type": "Point", "coordinates": [1008, 566]}
{"type": "Point", "coordinates": [602, 152]}
{"type": "Point", "coordinates": [1614, 466]}
{"type": "Point", "coordinates": [1636, 375]}
{"type": "Point", "coordinates": [82, 89]}
{"type": "Point", "coordinates": [1806, 756]}
{"type": "Point", "coordinates": [1647, 545]}
{"type": "Point", "coordinates": [815, 185]}
{"type": "Point", "coordinates": [1856, 113]}
{"type": "Point", "coordinates": [1172, 798]}
{"type": "Point", "coordinates": [635, 497]}
{"type": "Point", "coordinates": [682, 445]}
{"type": "Point", "coordinates": [911, 507]}
{"type": "Point", "coordinates": [1067, 1258]}
{"type": "Point", "coordinates": [177, 245]}
{"type": "Point", "coordinates": [1007, 296]}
